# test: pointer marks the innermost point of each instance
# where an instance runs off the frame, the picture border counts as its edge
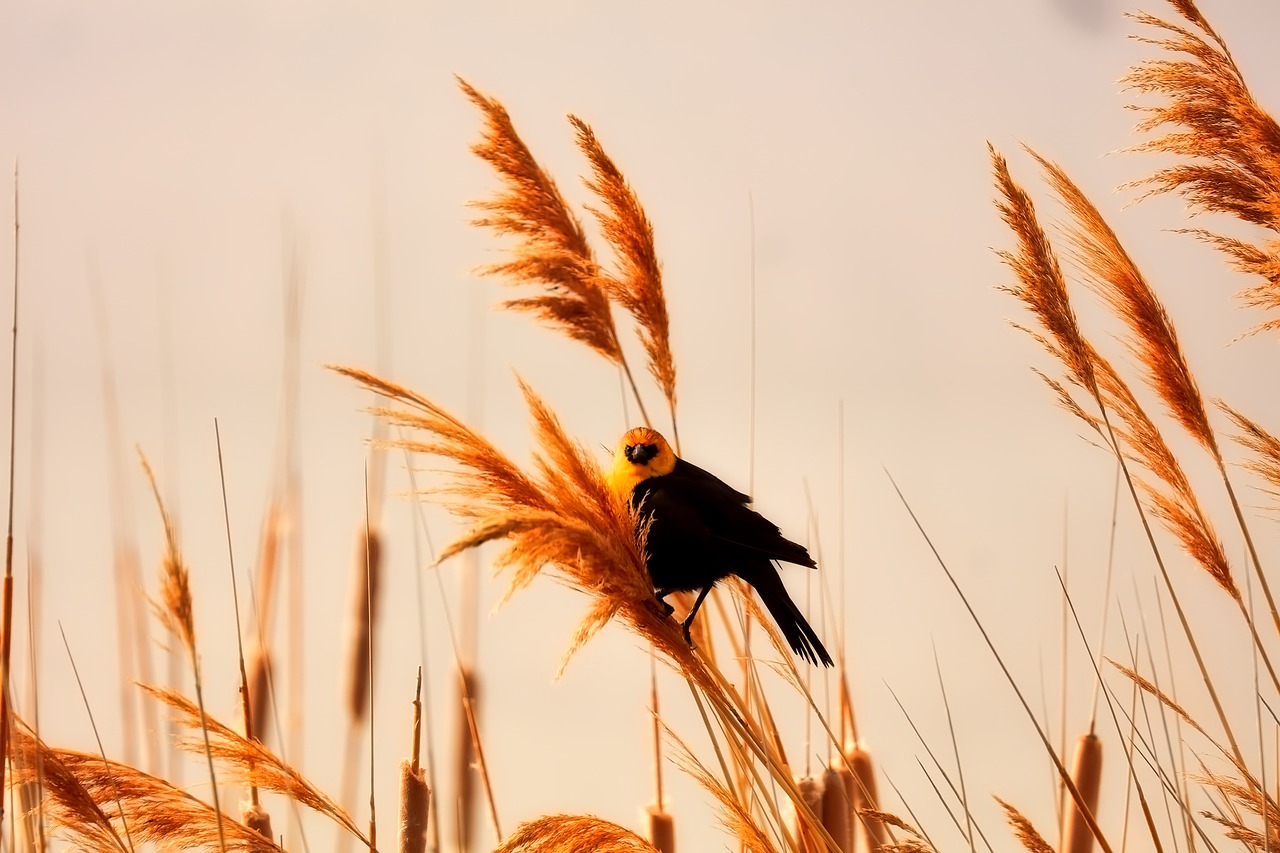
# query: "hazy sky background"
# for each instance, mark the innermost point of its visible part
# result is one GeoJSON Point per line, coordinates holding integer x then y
{"type": "Point", "coordinates": [176, 153]}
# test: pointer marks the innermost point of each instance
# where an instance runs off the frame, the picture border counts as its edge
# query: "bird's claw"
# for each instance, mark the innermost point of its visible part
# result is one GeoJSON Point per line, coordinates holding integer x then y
{"type": "Point", "coordinates": [684, 632]}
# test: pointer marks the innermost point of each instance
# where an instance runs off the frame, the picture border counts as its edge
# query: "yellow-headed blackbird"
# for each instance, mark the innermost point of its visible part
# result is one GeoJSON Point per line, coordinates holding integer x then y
{"type": "Point", "coordinates": [701, 530]}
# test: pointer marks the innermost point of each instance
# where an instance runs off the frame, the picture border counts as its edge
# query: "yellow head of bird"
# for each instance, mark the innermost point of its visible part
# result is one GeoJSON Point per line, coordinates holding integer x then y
{"type": "Point", "coordinates": [642, 453]}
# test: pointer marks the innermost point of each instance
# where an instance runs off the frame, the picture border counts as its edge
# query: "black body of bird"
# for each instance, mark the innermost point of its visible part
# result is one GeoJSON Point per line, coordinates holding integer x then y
{"type": "Point", "coordinates": [702, 530]}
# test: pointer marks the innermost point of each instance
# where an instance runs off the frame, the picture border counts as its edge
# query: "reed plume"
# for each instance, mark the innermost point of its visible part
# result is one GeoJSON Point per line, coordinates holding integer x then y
{"type": "Point", "coordinates": [637, 285]}
{"type": "Point", "coordinates": [1024, 831]}
{"type": "Point", "coordinates": [552, 254]}
{"type": "Point", "coordinates": [572, 833]}
{"type": "Point", "coordinates": [249, 762]}
{"type": "Point", "coordinates": [1228, 146]}
{"type": "Point", "coordinates": [1264, 446]}
{"type": "Point", "coordinates": [88, 797]}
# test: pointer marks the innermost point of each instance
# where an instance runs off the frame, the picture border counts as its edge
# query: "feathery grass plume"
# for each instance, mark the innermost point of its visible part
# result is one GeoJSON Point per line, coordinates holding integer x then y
{"type": "Point", "coordinates": [1264, 445]}
{"type": "Point", "coordinates": [1245, 801]}
{"type": "Point", "coordinates": [1113, 275]}
{"type": "Point", "coordinates": [1040, 283]}
{"type": "Point", "coordinates": [1042, 287]}
{"type": "Point", "coordinates": [249, 762]}
{"type": "Point", "coordinates": [1147, 687]}
{"type": "Point", "coordinates": [67, 804]}
{"type": "Point", "coordinates": [88, 796]}
{"type": "Point", "coordinates": [1086, 773]}
{"type": "Point", "coordinates": [637, 286]}
{"type": "Point", "coordinates": [1023, 830]}
{"type": "Point", "coordinates": [177, 613]}
{"type": "Point", "coordinates": [571, 833]}
{"type": "Point", "coordinates": [553, 252]}
{"type": "Point", "coordinates": [735, 811]}
{"type": "Point", "coordinates": [837, 808]}
{"type": "Point", "coordinates": [174, 610]}
{"type": "Point", "coordinates": [1229, 145]}
{"type": "Point", "coordinates": [662, 829]}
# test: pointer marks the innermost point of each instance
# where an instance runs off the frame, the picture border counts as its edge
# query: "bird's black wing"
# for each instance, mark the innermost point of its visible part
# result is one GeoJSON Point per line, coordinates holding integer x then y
{"type": "Point", "coordinates": [723, 511]}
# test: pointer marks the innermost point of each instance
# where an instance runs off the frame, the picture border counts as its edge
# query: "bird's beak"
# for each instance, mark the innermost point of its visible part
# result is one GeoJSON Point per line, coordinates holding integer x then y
{"type": "Point", "coordinates": [640, 453]}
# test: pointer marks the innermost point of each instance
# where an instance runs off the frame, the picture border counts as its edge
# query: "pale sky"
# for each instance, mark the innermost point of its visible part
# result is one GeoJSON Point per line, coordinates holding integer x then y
{"type": "Point", "coordinates": [171, 152]}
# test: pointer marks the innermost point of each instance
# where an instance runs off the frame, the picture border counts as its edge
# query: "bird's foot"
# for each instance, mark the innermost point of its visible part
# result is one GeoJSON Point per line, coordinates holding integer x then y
{"type": "Point", "coordinates": [661, 595]}
{"type": "Point", "coordinates": [684, 632]}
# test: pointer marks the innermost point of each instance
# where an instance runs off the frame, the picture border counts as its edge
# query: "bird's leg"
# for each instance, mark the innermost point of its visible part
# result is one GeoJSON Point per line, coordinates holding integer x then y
{"type": "Point", "coordinates": [661, 595]}
{"type": "Point", "coordinates": [688, 620]}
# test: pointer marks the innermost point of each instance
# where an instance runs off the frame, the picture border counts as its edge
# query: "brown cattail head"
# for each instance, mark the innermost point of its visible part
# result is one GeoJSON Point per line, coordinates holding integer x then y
{"type": "Point", "coordinates": [662, 830]}
{"type": "Point", "coordinates": [260, 688]}
{"type": "Point", "coordinates": [837, 807]}
{"type": "Point", "coordinates": [364, 615]}
{"type": "Point", "coordinates": [256, 818]}
{"type": "Point", "coordinates": [415, 804]}
{"type": "Point", "coordinates": [864, 781]}
{"type": "Point", "coordinates": [1086, 773]}
{"type": "Point", "coordinates": [810, 788]}
{"type": "Point", "coordinates": [465, 769]}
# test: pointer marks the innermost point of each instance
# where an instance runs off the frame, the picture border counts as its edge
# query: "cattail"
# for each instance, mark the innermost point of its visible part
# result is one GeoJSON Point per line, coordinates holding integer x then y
{"type": "Point", "coordinates": [464, 778]}
{"type": "Point", "coordinates": [1086, 773]}
{"type": "Point", "coordinates": [810, 788]}
{"type": "Point", "coordinates": [864, 782]}
{"type": "Point", "coordinates": [256, 818]}
{"type": "Point", "coordinates": [364, 615]}
{"type": "Point", "coordinates": [415, 803]}
{"type": "Point", "coordinates": [662, 830]}
{"type": "Point", "coordinates": [260, 689]}
{"type": "Point", "coordinates": [415, 793]}
{"type": "Point", "coordinates": [837, 782]}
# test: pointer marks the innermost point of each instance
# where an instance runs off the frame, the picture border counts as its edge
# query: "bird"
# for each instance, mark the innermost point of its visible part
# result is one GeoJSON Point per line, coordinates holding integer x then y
{"type": "Point", "coordinates": [701, 530]}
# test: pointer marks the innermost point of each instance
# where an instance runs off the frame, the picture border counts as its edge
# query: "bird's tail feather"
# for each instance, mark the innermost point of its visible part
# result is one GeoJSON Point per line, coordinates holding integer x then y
{"type": "Point", "coordinates": [795, 628]}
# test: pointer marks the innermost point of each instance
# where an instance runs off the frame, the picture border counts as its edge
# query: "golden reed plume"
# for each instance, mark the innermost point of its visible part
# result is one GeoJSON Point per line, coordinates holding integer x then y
{"type": "Point", "coordinates": [1041, 286]}
{"type": "Point", "coordinates": [1023, 829]}
{"type": "Point", "coordinates": [572, 833]}
{"type": "Point", "coordinates": [1229, 147]}
{"type": "Point", "coordinates": [552, 254]}
{"type": "Point", "coordinates": [105, 805]}
{"type": "Point", "coordinates": [637, 286]}
{"type": "Point", "coordinates": [249, 762]}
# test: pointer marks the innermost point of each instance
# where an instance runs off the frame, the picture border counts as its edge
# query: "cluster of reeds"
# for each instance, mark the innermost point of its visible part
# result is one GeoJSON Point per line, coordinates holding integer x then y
{"type": "Point", "coordinates": [556, 515]}
{"type": "Point", "coordinates": [1227, 151]}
